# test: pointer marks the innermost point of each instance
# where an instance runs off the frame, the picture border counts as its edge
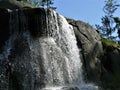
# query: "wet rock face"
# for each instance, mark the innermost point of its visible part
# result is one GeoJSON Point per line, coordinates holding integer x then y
{"type": "Point", "coordinates": [91, 48]}
{"type": "Point", "coordinates": [36, 50]}
{"type": "Point", "coordinates": [16, 72]}
{"type": "Point", "coordinates": [4, 26]}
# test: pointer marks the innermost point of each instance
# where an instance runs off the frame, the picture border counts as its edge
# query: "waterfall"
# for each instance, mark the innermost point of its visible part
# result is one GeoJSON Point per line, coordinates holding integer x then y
{"type": "Point", "coordinates": [43, 52]}
{"type": "Point", "coordinates": [58, 49]}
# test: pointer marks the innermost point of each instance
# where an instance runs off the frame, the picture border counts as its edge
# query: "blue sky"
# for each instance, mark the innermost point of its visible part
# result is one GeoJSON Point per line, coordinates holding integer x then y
{"type": "Point", "coordinates": [89, 11]}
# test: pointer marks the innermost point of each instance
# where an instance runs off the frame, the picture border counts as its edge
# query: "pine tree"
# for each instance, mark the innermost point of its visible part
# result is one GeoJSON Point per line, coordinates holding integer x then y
{"type": "Point", "coordinates": [47, 3]}
{"type": "Point", "coordinates": [108, 23]}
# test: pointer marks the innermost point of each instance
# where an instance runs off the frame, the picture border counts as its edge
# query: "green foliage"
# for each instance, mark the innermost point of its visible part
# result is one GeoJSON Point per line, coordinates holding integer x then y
{"type": "Point", "coordinates": [46, 3]}
{"type": "Point", "coordinates": [117, 26]}
{"type": "Point", "coordinates": [29, 3]}
{"type": "Point", "coordinates": [110, 7]}
{"type": "Point", "coordinates": [109, 26]}
{"type": "Point", "coordinates": [33, 2]}
{"type": "Point", "coordinates": [110, 43]}
{"type": "Point", "coordinates": [42, 3]}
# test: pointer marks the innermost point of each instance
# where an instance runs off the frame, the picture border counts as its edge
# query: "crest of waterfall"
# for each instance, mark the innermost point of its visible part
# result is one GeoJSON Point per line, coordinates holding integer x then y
{"type": "Point", "coordinates": [42, 52]}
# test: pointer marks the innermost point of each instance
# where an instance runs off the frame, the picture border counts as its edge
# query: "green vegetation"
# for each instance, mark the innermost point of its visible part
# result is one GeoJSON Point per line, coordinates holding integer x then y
{"type": "Point", "coordinates": [41, 3]}
{"type": "Point", "coordinates": [109, 22]}
{"type": "Point", "coordinates": [110, 43]}
{"type": "Point", "coordinates": [29, 3]}
{"type": "Point", "coordinates": [47, 3]}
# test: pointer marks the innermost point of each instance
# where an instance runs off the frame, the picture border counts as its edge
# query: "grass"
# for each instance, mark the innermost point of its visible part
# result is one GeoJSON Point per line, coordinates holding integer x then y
{"type": "Point", "coordinates": [109, 43]}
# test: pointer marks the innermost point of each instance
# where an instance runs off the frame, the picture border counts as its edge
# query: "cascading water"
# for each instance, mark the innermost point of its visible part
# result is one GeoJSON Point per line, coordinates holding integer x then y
{"type": "Point", "coordinates": [46, 58]}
